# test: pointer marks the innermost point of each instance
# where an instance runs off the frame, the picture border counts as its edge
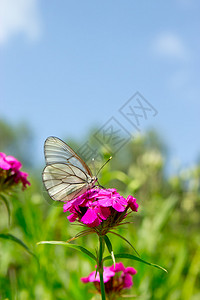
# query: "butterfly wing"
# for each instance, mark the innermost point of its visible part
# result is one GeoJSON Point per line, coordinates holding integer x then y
{"type": "Point", "coordinates": [66, 175]}
{"type": "Point", "coordinates": [56, 151]}
{"type": "Point", "coordinates": [64, 182]}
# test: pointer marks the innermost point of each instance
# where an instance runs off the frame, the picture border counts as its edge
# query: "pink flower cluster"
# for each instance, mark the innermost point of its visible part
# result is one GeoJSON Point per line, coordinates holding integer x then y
{"type": "Point", "coordinates": [10, 171]}
{"type": "Point", "coordinates": [115, 278]}
{"type": "Point", "coordinates": [97, 206]}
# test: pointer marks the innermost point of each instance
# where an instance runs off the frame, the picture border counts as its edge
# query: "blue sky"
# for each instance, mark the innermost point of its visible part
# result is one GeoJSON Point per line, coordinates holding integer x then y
{"type": "Point", "coordinates": [67, 66]}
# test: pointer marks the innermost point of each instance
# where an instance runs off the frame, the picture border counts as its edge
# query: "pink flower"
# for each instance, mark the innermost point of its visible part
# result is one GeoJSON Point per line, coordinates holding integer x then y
{"type": "Point", "coordinates": [101, 209]}
{"type": "Point", "coordinates": [94, 276]}
{"type": "Point", "coordinates": [22, 176]}
{"type": "Point", "coordinates": [115, 278]}
{"type": "Point", "coordinates": [132, 202]}
{"type": "Point", "coordinates": [14, 163]}
{"type": "Point", "coordinates": [125, 275]}
{"type": "Point", "coordinates": [3, 163]}
{"type": "Point", "coordinates": [111, 198]}
{"type": "Point", "coordinates": [10, 172]}
{"type": "Point", "coordinates": [94, 215]}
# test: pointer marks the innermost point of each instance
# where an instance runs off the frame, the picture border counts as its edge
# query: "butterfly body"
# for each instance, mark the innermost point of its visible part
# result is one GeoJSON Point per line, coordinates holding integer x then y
{"type": "Point", "coordinates": [66, 176]}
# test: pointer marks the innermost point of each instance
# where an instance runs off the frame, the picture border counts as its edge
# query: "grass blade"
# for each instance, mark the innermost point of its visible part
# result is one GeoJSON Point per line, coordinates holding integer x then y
{"type": "Point", "coordinates": [77, 247]}
{"type": "Point", "coordinates": [109, 246]}
{"type": "Point", "coordinates": [13, 238]}
{"type": "Point", "coordinates": [133, 257]}
{"type": "Point", "coordinates": [4, 199]}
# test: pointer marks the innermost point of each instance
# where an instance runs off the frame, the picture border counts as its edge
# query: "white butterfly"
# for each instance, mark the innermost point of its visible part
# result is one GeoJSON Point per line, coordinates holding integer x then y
{"type": "Point", "coordinates": [66, 175]}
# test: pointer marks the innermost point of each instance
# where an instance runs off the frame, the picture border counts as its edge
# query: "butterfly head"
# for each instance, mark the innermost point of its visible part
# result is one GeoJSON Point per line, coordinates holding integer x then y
{"type": "Point", "coordinates": [92, 180]}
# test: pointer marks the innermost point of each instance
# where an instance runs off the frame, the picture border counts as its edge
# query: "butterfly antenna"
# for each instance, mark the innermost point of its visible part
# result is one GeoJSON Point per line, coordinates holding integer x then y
{"type": "Point", "coordinates": [104, 165]}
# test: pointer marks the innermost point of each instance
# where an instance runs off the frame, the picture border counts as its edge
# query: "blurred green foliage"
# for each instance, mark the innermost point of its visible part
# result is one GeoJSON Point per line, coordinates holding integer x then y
{"type": "Point", "coordinates": [17, 140]}
{"type": "Point", "coordinates": [165, 231]}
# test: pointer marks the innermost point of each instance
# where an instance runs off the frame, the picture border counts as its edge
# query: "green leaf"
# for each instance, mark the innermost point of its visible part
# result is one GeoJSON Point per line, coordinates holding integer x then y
{"type": "Point", "coordinates": [4, 199]}
{"type": "Point", "coordinates": [130, 256]}
{"type": "Point", "coordinates": [125, 240]}
{"type": "Point", "coordinates": [108, 243]}
{"type": "Point", "coordinates": [13, 238]}
{"type": "Point", "coordinates": [109, 246]}
{"type": "Point", "coordinates": [77, 247]}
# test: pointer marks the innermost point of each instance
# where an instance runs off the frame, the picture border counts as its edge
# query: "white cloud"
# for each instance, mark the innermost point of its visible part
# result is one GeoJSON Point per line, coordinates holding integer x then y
{"type": "Point", "coordinates": [170, 45]}
{"type": "Point", "coordinates": [19, 17]}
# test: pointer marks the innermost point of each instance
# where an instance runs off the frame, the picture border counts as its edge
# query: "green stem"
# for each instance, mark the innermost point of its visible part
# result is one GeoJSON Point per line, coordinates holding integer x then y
{"type": "Point", "coordinates": [100, 267]}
